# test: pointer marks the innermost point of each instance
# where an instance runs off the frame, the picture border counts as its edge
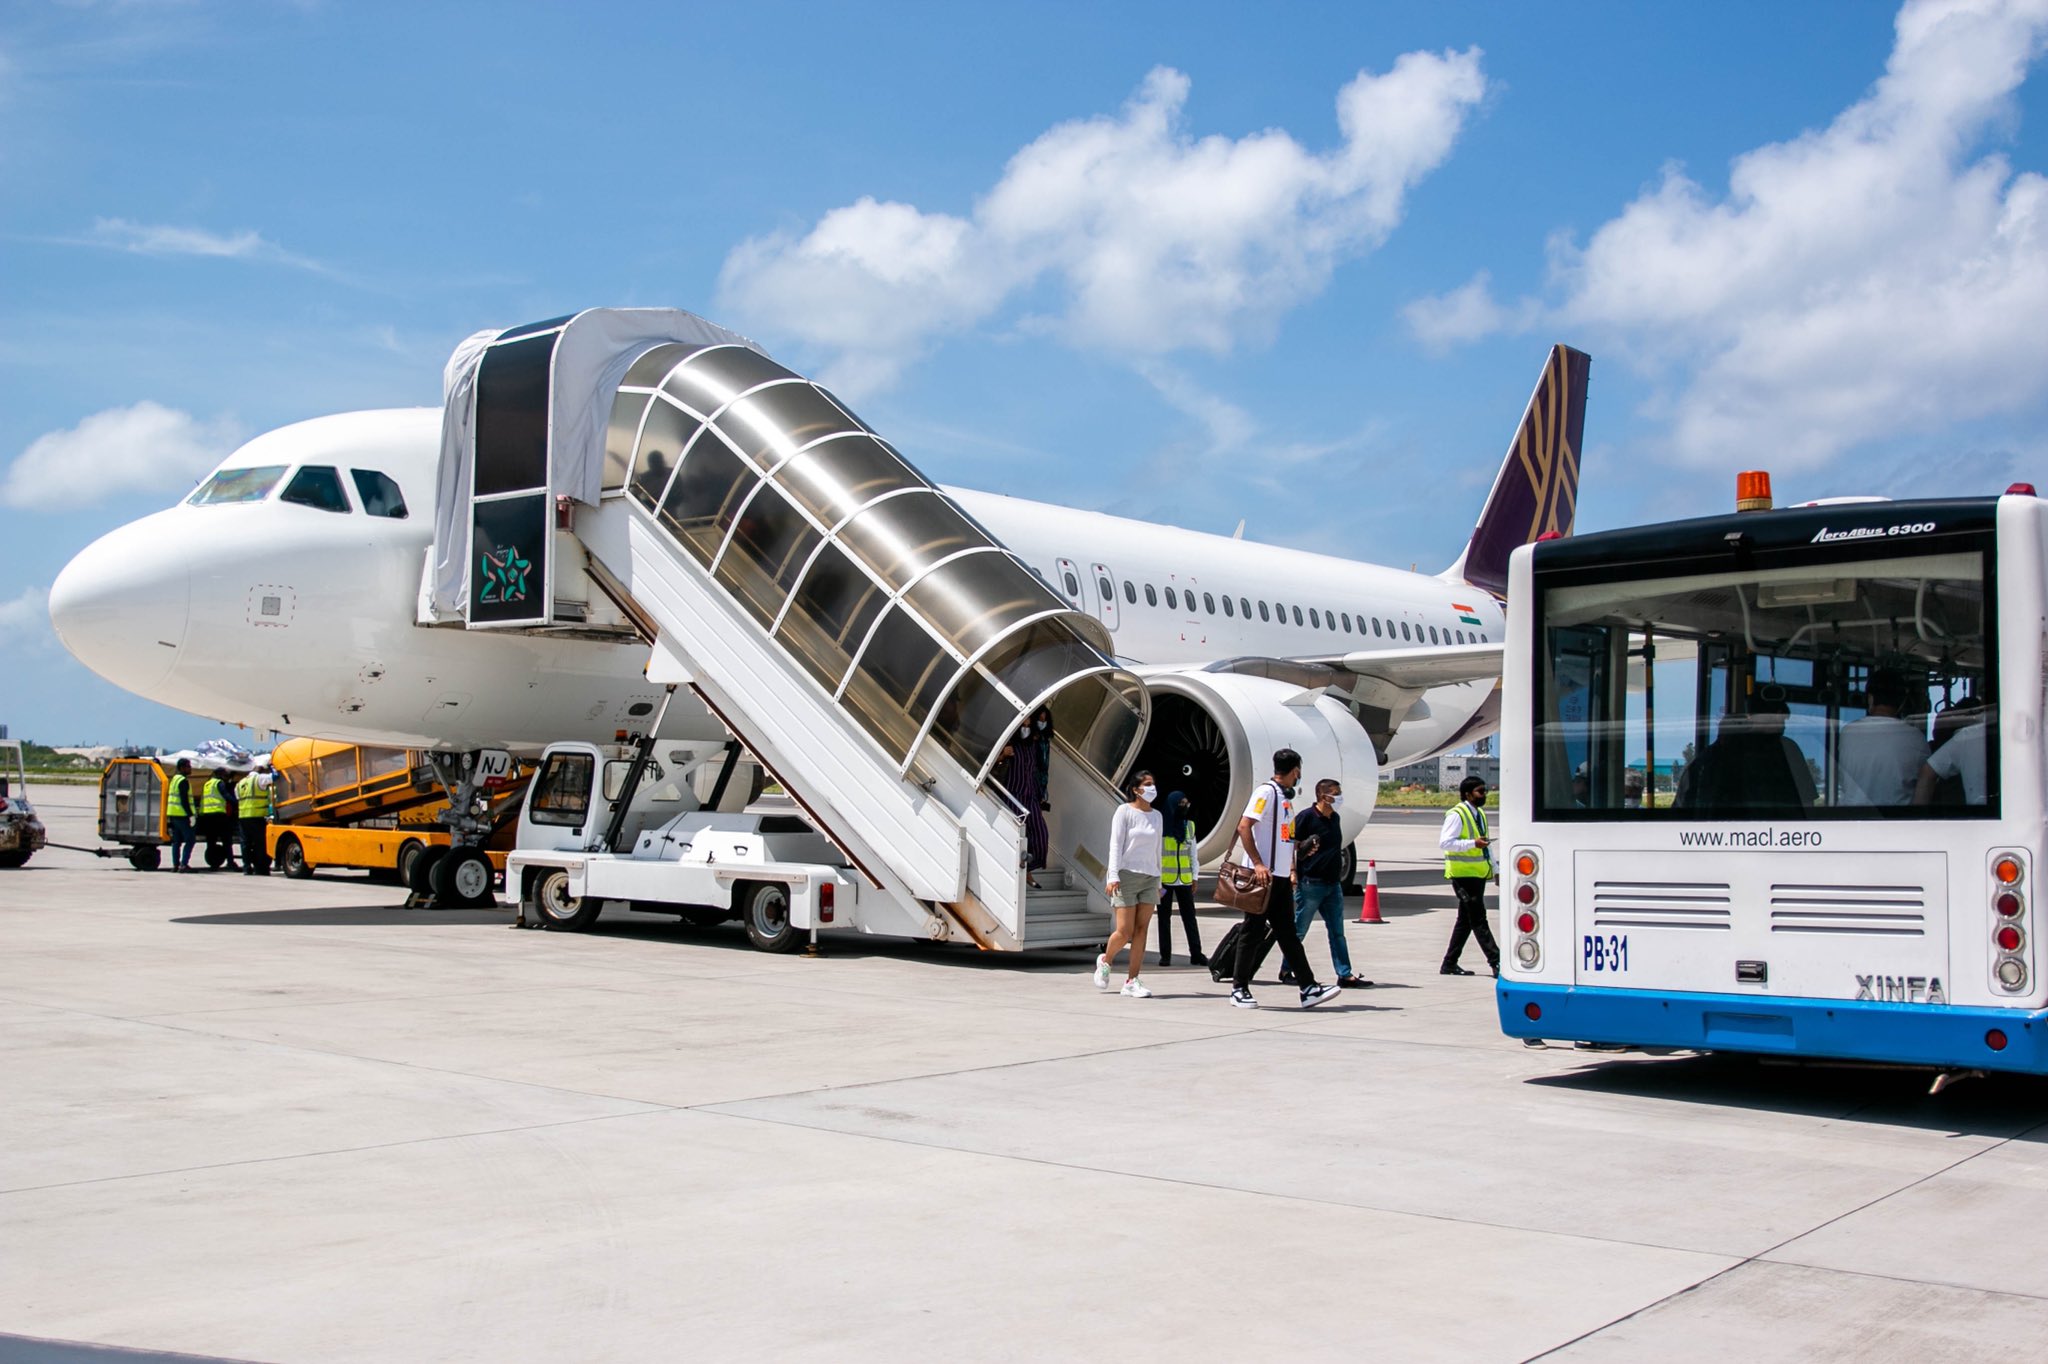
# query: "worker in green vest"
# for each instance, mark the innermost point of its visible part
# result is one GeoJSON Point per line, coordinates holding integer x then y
{"type": "Point", "coordinates": [252, 805]}
{"type": "Point", "coordinates": [1177, 879]}
{"type": "Point", "coordinates": [1467, 846]}
{"type": "Point", "coordinates": [216, 822]}
{"type": "Point", "coordinates": [178, 816]}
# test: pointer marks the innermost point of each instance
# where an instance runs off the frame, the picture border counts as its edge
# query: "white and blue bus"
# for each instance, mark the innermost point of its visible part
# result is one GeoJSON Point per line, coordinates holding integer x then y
{"type": "Point", "coordinates": [1772, 782]}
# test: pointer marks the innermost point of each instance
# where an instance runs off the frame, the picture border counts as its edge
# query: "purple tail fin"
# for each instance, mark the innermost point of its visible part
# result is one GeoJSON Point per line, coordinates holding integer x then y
{"type": "Point", "coordinates": [1537, 488]}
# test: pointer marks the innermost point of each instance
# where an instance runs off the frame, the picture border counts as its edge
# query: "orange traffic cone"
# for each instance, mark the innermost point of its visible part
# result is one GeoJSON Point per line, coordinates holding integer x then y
{"type": "Point", "coordinates": [1369, 908]}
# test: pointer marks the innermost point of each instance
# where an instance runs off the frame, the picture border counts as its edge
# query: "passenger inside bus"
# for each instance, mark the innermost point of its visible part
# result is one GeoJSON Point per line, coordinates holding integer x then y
{"type": "Point", "coordinates": [1751, 764]}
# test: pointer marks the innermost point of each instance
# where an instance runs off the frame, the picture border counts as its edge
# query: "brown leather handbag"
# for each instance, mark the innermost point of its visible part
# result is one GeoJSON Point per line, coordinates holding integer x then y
{"type": "Point", "coordinates": [1239, 885]}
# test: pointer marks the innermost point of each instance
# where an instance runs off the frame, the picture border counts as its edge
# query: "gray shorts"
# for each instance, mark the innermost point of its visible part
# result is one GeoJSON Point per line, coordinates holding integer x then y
{"type": "Point", "coordinates": [1134, 888]}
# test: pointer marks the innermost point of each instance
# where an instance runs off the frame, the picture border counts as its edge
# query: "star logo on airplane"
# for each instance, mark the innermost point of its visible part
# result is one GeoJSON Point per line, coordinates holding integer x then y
{"type": "Point", "coordinates": [505, 575]}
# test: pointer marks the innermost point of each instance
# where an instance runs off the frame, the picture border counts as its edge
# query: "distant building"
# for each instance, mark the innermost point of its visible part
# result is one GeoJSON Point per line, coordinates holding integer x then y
{"type": "Point", "coordinates": [1446, 772]}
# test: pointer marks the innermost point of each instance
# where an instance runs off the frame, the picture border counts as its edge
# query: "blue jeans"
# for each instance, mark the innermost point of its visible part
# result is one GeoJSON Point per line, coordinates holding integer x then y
{"type": "Point", "coordinates": [1325, 899]}
{"type": "Point", "coordinates": [182, 838]}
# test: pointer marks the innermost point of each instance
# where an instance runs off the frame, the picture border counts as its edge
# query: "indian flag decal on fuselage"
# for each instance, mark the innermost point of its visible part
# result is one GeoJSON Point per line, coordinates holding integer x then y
{"type": "Point", "coordinates": [1465, 614]}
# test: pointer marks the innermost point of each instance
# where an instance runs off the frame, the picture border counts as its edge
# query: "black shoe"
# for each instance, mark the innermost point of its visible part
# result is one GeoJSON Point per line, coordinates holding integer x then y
{"type": "Point", "coordinates": [1286, 976]}
{"type": "Point", "coordinates": [1496, 970]}
{"type": "Point", "coordinates": [1197, 959]}
{"type": "Point", "coordinates": [1355, 983]}
{"type": "Point", "coordinates": [1165, 960]}
{"type": "Point", "coordinates": [1450, 970]}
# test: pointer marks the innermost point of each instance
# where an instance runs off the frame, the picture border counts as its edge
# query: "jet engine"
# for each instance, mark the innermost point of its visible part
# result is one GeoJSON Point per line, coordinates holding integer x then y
{"type": "Point", "coordinates": [1213, 736]}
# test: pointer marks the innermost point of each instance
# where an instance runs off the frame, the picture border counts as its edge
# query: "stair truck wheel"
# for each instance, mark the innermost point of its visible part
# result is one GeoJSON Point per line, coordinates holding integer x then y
{"type": "Point", "coordinates": [463, 878]}
{"type": "Point", "coordinates": [559, 909]}
{"type": "Point", "coordinates": [419, 878]}
{"type": "Point", "coordinates": [216, 856]}
{"type": "Point", "coordinates": [145, 857]}
{"type": "Point", "coordinates": [291, 858]}
{"type": "Point", "coordinates": [764, 909]}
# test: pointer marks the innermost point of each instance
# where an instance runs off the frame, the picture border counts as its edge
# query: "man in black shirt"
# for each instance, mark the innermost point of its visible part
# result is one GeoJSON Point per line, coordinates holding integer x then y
{"type": "Point", "coordinates": [1318, 876]}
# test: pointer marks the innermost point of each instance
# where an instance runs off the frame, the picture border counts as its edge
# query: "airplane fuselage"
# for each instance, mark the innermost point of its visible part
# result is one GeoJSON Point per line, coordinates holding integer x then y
{"type": "Point", "coordinates": [280, 615]}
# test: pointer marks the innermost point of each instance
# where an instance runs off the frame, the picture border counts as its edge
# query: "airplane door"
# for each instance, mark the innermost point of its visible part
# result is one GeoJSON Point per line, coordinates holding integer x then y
{"type": "Point", "coordinates": [1104, 583]}
{"type": "Point", "coordinates": [1070, 585]}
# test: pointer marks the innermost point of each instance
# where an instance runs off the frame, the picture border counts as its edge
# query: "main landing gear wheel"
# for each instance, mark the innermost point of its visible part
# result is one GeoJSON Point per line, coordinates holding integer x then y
{"type": "Point", "coordinates": [145, 857]}
{"type": "Point", "coordinates": [291, 859]}
{"type": "Point", "coordinates": [558, 908]}
{"type": "Point", "coordinates": [419, 877]}
{"type": "Point", "coordinates": [462, 879]}
{"type": "Point", "coordinates": [766, 916]}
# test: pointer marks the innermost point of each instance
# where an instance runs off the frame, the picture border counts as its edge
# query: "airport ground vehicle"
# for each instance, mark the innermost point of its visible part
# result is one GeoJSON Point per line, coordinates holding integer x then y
{"type": "Point", "coordinates": [1724, 838]}
{"type": "Point", "coordinates": [379, 810]}
{"type": "Point", "coordinates": [21, 833]}
{"type": "Point", "coordinates": [132, 810]}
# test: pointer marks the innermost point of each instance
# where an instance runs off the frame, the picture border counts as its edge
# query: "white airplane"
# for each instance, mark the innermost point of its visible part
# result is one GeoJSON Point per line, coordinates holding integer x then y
{"type": "Point", "coordinates": [287, 593]}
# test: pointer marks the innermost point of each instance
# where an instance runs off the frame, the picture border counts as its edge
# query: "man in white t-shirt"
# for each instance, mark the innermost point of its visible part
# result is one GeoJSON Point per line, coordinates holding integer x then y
{"type": "Point", "coordinates": [1962, 756]}
{"type": "Point", "coordinates": [1266, 835]}
{"type": "Point", "coordinates": [1880, 755]}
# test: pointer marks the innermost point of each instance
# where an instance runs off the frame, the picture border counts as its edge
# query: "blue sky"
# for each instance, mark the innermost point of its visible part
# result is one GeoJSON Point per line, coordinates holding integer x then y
{"type": "Point", "coordinates": [1188, 262]}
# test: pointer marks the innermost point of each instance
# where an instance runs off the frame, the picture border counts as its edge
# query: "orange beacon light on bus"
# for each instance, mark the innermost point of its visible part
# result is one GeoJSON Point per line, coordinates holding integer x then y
{"type": "Point", "coordinates": [1753, 490]}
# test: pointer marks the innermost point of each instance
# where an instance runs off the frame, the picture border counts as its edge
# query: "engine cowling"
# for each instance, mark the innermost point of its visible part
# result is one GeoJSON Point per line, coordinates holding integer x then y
{"type": "Point", "coordinates": [1213, 736]}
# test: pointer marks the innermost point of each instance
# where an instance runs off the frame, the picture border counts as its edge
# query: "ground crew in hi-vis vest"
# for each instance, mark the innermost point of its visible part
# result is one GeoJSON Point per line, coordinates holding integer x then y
{"type": "Point", "coordinates": [178, 816]}
{"type": "Point", "coordinates": [216, 821]}
{"type": "Point", "coordinates": [1177, 879]}
{"type": "Point", "coordinates": [252, 808]}
{"type": "Point", "coordinates": [1468, 864]}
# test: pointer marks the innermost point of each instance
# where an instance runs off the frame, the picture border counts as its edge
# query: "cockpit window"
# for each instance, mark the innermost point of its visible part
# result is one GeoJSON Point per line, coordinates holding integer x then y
{"type": "Point", "coordinates": [238, 485]}
{"type": "Point", "coordinates": [379, 493]}
{"type": "Point", "coordinates": [317, 485]}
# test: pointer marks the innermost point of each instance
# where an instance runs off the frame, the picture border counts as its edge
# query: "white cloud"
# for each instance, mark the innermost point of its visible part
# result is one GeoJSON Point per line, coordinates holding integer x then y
{"type": "Point", "coordinates": [25, 622]}
{"type": "Point", "coordinates": [1145, 240]}
{"type": "Point", "coordinates": [144, 448]}
{"type": "Point", "coordinates": [1464, 314]}
{"type": "Point", "coordinates": [1875, 277]}
{"type": "Point", "coordinates": [145, 239]}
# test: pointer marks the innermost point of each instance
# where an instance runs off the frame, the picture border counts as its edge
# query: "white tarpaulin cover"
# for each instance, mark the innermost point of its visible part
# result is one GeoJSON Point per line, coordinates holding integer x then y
{"type": "Point", "coordinates": [596, 348]}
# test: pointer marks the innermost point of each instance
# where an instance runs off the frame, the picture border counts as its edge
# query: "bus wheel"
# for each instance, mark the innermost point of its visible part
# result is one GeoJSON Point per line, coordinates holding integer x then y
{"type": "Point", "coordinates": [419, 877]}
{"type": "Point", "coordinates": [463, 878]}
{"type": "Point", "coordinates": [765, 912]}
{"type": "Point", "coordinates": [291, 859]}
{"type": "Point", "coordinates": [408, 853]}
{"type": "Point", "coordinates": [558, 908]}
{"type": "Point", "coordinates": [145, 857]}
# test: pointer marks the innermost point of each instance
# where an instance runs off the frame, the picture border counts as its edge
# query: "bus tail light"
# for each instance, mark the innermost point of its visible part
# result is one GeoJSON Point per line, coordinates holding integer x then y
{"type": "Point", "coordinates": [825, 902]}
{"type": "Point", "coordinates": [1995, 1039]}
{"type": "Point", "coordinates": [1526, 863]}
{"type": "Point", "coordinates": [2008, 929]}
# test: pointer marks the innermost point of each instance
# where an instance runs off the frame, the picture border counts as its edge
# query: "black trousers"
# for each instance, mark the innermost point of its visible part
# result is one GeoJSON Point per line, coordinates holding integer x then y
{"type": "Point", "coordinates": [255, 857]}
{"type": "Point", "coordinates": [1184, 896]}
{"type": "Point", "coordinates": [1471, 922]}
{"type": "Point", "coordinates": [1275, 925]}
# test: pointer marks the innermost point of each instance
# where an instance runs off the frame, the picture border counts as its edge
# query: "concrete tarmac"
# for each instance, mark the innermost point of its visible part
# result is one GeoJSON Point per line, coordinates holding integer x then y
{"type": "Point", "coordinates": [286, 1121]}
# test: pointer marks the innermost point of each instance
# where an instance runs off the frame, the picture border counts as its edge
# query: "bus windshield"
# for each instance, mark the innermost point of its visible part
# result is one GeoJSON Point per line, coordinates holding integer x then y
{"type": "Point", "coordinates": [1849, 689]}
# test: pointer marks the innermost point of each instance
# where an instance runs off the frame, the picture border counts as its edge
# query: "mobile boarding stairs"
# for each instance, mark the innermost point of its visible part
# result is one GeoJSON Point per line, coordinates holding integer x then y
{"type": "Point", "coordinates": [867, 642]}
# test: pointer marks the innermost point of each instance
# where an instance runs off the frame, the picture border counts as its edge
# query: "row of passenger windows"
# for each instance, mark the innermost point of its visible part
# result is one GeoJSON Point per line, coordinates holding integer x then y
{"type": "Point", "coordinates": [314, 485]}
{"type": "Point", "coordinates": [1313, 618]}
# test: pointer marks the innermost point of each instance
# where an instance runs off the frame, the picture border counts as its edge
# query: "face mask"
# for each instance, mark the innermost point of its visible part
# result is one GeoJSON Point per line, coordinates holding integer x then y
{"type": "Point", "coordinates": [1041, 724]}
{"type": "Point", "coordinates": [1336, 802]}
{"type": "Point", "coordinates": [1150, 793]}
{"type": "Point", "coordinates": [1023, 733]}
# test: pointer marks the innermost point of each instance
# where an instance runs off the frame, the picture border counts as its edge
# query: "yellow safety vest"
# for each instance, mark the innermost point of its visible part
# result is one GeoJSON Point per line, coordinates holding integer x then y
{"type": "Point", "coordinates": [1473, 861]}
{"type": "Point", "coordinates": [213, 797]}
{"type": "Point", "coordinates": [251, 799]}
{"type": "Point", "coordinates": [1177, 864]}
{"type": "Point", "coordinates": [178, 802]}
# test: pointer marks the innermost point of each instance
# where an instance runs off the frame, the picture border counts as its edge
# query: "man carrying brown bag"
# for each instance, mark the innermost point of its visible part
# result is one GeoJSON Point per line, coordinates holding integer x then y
{"type": "Point", "coordinates": [1266, 833]}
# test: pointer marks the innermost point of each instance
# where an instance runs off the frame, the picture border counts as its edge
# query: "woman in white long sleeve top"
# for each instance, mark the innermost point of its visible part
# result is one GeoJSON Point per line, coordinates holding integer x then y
{"type": "Point", "coordinates": [1134, 834]}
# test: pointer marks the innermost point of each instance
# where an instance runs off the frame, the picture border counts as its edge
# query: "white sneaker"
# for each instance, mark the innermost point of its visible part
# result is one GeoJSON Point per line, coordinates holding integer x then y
{"type": "Point", "coordinates": [1135, 989]}
{"type": "Point", "coordinates": [1242, 999]}
{"type": "Point", "coordinates": [1101, 972]}
{"type": "Point", "coordinates": [1318, 994]}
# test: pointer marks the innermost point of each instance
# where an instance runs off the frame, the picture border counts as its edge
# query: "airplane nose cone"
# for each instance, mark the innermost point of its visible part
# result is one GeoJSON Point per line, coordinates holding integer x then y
{"type": "Point", "coordinates": [120, 607]}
